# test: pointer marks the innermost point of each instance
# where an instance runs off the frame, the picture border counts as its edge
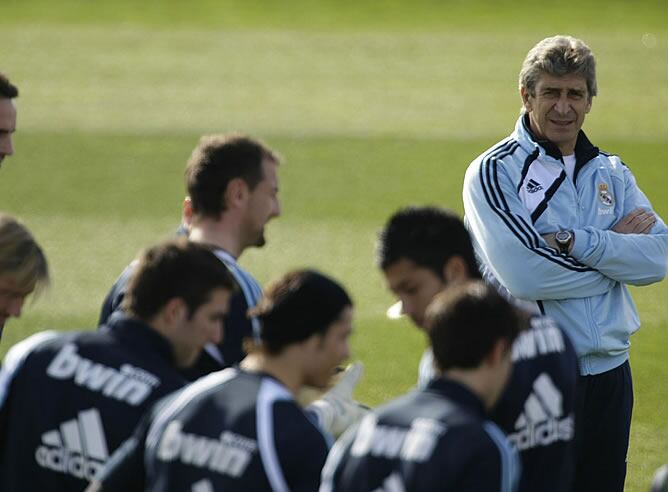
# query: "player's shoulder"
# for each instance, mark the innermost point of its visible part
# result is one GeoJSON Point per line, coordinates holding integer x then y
{"type": "Point", "coordinates": [30, 348]}
{"type": "Point", "coordinates": [611, 164]}
{"type": "Point", "coordinates": [506, 157]}
{"type": "Point", "coordinates": [41, 340]}
{"type": "Point", "coordinates": [505, 150]}
{"type": "Point", "coordinates": [401, 409]}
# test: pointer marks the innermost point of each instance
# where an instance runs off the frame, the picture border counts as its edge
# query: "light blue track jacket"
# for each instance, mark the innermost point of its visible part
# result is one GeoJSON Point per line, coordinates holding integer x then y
{"type": "Point", "coordinates": [518, 190]}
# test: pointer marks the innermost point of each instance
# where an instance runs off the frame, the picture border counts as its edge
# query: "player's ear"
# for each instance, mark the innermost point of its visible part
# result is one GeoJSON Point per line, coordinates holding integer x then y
{"type": "Point", "coordinates": [526, 102]}
{"type": "Point", "coordinates": [187, 214]}
{"type": "Point", "coordinates": [175, 310]}
{"type": "Point", "coordinates": [455, 271]}
{"type": "Point", "coordinates": [236, 193]}
{"type": "Point", "coordinates": [498, 353]}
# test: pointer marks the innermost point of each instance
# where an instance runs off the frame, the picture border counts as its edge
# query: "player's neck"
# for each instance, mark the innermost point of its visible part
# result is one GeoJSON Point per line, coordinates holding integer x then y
{"type": "Point", "coordinates": [281, 367]}
{"type": "Point", "coordinates": [474, 380]}
{"type": "Point", "coordinates": [216, 233]}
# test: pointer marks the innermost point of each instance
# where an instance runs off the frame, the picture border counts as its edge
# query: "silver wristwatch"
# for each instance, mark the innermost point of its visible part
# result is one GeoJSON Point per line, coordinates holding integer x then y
{"type": "Point", "coordinates": [564, 239]}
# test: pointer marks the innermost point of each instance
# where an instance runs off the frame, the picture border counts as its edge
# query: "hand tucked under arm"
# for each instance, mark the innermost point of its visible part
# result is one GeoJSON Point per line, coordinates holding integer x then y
{"type": "Point", "coordinates": [638, 221]}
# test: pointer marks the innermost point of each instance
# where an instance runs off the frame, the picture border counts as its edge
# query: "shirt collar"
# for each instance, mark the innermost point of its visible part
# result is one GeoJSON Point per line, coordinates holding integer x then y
{"type": "Point", "coordinates": [459, 393]}
{"type": "Point", "coordinates": [138, 334]}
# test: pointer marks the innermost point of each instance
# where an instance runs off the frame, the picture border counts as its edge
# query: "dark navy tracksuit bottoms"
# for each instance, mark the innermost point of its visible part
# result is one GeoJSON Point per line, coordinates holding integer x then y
{"type": "Point", "coordinates": [603, 423]}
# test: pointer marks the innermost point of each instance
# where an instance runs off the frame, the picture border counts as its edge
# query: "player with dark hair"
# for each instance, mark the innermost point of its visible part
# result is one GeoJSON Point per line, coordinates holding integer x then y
{"type": "Point", "coordinates": [23, 267]}
{"type": "Point", "coordinates": [438, 438]}
{"type": "Point", "coordinates": [241, 429]}
{"type": "Point", "coordinates": [423, 251]}
{"type": "Point", "coordinates": [233, 192]}
{"type": "Point", "coordinates": [8, 92]}
{"type": "Point", "coordinates": [68, 400]}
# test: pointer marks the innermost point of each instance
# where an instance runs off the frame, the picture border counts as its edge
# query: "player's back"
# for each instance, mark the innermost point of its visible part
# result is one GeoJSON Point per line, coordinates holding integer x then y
{"type": "Point", "coordinates": [436, 438]}
{"type": "Point", "coordinates": [233, 430]}
{"type": "Point", "coordinates": [537, 408]}
{"type": "Point", "coordinates": [72, 399]}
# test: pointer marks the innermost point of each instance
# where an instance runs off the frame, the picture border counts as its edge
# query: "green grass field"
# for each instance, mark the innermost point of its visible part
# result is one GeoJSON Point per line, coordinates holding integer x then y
{"type": "Point", "coordinates": [374, 105]}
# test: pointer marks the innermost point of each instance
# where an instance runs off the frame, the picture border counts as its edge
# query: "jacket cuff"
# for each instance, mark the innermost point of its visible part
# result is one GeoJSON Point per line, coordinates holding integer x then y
{"type": "Point", "coordinates": [580, 243]}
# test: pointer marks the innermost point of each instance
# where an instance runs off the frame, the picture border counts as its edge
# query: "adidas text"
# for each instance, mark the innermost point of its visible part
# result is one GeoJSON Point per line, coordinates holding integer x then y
{"type": "Point", "coordinates": [543, 434]}
{"type": "Point", "coordinates": [77, 447]}
{"type": "Point", "coordinates": [62, 461]}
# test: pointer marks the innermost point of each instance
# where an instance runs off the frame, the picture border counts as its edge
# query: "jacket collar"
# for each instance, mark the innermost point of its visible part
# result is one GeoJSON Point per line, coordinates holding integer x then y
{"type": "Point", "coordinates": [459, 393]}
{"type": "Point", "coordinates": [138, 334]}
{"type": "Point", "coordinates": [584, 149]}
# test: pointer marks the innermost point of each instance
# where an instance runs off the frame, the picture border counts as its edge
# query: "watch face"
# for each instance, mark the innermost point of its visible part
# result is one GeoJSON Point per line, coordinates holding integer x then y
{"type": "Point", "coordinates": [562, 236]}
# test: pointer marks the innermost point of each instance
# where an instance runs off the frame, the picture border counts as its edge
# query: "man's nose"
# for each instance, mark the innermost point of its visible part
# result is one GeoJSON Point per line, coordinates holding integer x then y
{"type": "Point", "coordinates": [277, 209]}
{"type": "Point", "coordinates": [218, 334]}
{"type": "Point", "coordinates": [562, 106]}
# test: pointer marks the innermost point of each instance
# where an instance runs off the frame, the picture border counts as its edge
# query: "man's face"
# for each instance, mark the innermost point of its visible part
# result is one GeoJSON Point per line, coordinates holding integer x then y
{"type": "Point", "coordinates": [7, 126]}
{"type": "Point", "coordinates": [326, 352]}
{"type": "Point", "coordinates": [204, 326]}
{"type": "Point", "coordinates": [415, 286]}
{"type": "Point", "coordinates": [263, 205]}
{"type": "Point", "coordinates": [558, 108]}
{"type": "Point", "coordinates": [11, 299]}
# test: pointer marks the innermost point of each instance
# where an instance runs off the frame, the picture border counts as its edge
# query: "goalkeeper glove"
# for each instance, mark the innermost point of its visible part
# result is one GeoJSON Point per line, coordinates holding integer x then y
{"type": "Point", "coordinates": [336, 410]}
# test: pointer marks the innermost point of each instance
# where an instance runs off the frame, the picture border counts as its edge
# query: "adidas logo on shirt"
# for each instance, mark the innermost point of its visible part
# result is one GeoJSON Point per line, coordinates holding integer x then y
{"type": "Point", "coordinates": [542, 422]}
{"type": "Point", "coordinates": [533, 186]}
{"type": "Point", "coordinates": [78, 447]}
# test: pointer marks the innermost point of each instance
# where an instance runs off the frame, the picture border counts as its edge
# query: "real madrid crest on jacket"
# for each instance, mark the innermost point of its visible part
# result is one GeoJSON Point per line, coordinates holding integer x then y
{"type": "Point", "coordinates": [67, 401]}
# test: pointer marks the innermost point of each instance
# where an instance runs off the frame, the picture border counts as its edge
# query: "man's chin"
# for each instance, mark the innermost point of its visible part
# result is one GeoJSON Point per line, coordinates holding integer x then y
{"type": "Point", "coordinates": [261, 241]}
{"type": "Point", "coordinates": [419, 324]}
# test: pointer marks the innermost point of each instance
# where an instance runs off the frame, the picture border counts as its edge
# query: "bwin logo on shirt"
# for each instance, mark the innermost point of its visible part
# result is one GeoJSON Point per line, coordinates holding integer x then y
{"type": "Point", "coordinates": [229, 455]}
{"type": "Point", "coordinates": [542, 422]}
{"type": "Point", "coordinates": [129, 384]}
{"type": "Point", "coordinates": [78, 447]}
{"type": "Point", "coordinates": [533, 186]}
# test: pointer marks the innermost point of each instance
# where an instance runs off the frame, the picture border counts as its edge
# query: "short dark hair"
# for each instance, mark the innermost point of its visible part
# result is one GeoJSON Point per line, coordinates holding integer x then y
{"type": "Point", "coordinates": [217, 160]}
{"type": "Point", "coordinates": [176, 269]}
{"type": "Point", "coordinates": [300, 304]}
{"type": "Point", "coordinates": [7, 89]}
{"type": "Point", "coordinates": [465, 322]}
{"type": "Point", "coordinates": [429, 236]}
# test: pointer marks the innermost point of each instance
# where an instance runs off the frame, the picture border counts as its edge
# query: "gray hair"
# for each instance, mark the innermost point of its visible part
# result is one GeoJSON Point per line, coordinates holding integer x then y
{"type": "Point", "coordinates": [559, 56]}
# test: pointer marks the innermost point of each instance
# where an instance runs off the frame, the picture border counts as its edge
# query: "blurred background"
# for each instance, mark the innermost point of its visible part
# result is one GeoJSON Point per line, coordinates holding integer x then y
{"type": "Point", "coordinates": [373, 105]}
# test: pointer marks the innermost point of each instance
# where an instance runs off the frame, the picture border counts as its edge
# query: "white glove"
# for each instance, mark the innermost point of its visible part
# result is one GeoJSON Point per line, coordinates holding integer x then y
{"type": "Point", "coordinates": [336, 410]}
{"type": "Point", "coordinates": [660, 482]}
